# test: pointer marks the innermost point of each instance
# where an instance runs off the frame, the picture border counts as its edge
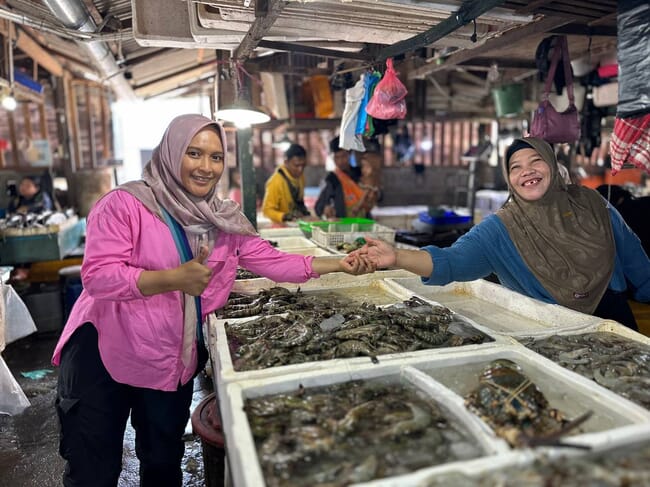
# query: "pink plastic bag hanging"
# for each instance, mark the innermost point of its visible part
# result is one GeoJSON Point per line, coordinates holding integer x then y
{"type": "Point", "coordinates": [388, 100]}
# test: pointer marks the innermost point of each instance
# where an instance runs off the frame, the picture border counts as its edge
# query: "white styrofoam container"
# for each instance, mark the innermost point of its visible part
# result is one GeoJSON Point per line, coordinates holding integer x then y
{"type": "Point", "coordinates": [271, 233]}
{"type": "Point", "coordinates": [225, 371]}
{"type": "Point", "coordinates": [220, 351]}
{"type": "Point", "coordinates": [242, 455]}
{"type": "Point", "coordinates": [315, 251]}
{"type": "Point", "coordinates": [566, 391]}
{"type": "Point", "coordinates": [292, 242]}
{"type": "Point", "coordinates": [501, 310]}
{"type": "Point", "coordinates": [610, 326]}
{"type": "Point", "coordinates": [328, 281]}
{"type": "Point", "coordinates": [475, 470]}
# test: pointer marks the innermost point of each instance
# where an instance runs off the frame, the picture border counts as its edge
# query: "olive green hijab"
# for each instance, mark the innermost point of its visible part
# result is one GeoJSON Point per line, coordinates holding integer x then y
{"type": "Point", "coordinates": [565, 238]}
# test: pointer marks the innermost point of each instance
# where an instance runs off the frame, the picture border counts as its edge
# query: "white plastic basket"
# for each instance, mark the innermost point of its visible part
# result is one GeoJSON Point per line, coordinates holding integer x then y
{"type": "Point", "coordinates": [338, 233]}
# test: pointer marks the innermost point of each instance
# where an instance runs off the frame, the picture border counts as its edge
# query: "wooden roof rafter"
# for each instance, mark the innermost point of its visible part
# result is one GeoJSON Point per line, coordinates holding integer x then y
{"type": "Point", "coordinates": [505, 40]}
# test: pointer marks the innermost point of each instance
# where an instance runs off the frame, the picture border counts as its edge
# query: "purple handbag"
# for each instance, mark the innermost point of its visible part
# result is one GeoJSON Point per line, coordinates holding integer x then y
{"type": "Point", "coordinates": [549, 124]}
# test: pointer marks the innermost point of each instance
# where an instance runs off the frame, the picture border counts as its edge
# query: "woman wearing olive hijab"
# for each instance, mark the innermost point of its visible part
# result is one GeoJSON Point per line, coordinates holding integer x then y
{"type": "Point", "coordinates": [551, 241]}
{"type": "Point", "coordinates": [161, 254]}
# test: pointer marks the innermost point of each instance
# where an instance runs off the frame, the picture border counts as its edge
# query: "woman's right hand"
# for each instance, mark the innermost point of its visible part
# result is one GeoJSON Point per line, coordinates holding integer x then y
{"type": "Point", "coordinates": [380, 253]}
{"type": "Point", "coordinates": [193, 276]}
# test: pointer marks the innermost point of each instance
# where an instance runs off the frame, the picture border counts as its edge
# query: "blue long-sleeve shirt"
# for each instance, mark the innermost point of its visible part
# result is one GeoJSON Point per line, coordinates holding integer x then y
{"type": "Point", "coordinates": [487, 248]}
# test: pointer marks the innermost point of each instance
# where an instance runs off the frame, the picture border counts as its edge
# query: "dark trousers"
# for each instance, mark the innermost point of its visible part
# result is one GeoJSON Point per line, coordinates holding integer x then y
{"type": "Point", "coordinates": [93, 410]}
{"type": "Point", "coordinates": [614, 306]}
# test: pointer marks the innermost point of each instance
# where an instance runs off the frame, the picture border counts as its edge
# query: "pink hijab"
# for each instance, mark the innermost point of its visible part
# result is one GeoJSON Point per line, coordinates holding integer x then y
{"type": "Point", "coordinates": [161, 186]}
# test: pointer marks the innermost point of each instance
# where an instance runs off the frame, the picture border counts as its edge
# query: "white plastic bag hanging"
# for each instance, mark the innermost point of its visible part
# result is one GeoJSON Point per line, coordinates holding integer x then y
{"type": "Point", "coordinates": [16, 320]}
{"type": "Point", "coordinates": [12, 398]}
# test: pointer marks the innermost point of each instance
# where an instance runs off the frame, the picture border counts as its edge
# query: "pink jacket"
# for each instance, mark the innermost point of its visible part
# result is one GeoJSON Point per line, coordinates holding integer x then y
{"type": "Point", "coordinates": [140, 337]}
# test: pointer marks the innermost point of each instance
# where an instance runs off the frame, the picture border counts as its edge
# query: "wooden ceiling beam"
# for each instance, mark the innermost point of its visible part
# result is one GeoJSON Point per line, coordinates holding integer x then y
{"type": "Point", "coordinates": [176, 81]}
{"type": "Point", "coordinates": [259, 29]}
{"type": "Point", "coordinates": [504, 41]}
{"type": "Point", "coordinates": [32, 48]}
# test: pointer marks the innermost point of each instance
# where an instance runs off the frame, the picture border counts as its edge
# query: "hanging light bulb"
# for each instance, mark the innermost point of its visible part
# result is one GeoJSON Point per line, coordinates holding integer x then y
{"type": "Point", "coordinates": [9, 102]}
{"type": "Point", "coordinates": [283, 144]}
{"type": "Point", "coordinates": [242, 113]}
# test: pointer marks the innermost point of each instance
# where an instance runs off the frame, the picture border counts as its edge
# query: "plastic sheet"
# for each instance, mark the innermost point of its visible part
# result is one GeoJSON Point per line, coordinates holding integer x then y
{"type": "Point", "coordinates": [633, 25]}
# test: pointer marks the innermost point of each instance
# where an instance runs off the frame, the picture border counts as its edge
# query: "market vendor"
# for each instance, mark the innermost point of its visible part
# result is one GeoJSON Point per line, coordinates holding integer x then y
{"type": "Point", "coordinates": [551, 241]}
{"type": "Point", "coordinates": [284, 195]}
{"type": "Point", "coordinates": [31, 198]}
{"type": "Point", "coordinates": [161, 255]}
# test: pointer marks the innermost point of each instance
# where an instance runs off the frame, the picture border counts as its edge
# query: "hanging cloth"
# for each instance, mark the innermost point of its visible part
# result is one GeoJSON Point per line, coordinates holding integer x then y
{"type": "Point", "coordinates": [353, 96]}
{"type": "Point", "coordinates": [192, 315]}
{"type": "Point", "coordinates": [630, 142]}
{"type": "Point", "coordinates": [370, 81]}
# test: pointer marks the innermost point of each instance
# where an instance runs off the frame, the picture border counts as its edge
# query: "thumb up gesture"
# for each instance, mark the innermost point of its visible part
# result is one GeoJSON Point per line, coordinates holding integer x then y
{"type": "Point", "coordinates": [193, 276]}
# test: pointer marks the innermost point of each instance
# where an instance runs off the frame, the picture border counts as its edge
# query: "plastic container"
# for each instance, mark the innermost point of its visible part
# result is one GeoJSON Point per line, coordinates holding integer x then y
{"type": "Point", "coordinates": [333, 234]}
{"type": "Point", "coordinates": [207, 424]}
{"type": "Point", "coordinates": [508, 99]}
{"type": "Point", "coordinates": [70, 278]}
{"type": "Point", "coordinates": [447, 219]}
{"type": "Point", "coordinates": [307, 227]}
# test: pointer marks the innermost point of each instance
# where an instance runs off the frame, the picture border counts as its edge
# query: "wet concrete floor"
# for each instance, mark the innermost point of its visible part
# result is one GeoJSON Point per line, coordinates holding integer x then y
{"type": "Point", "coordinates": [29, 454]}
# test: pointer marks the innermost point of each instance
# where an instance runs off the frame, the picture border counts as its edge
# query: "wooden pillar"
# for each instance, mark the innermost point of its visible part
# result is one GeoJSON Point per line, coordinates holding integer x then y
{"type": "Point", "coordinates": [42, 120]}
{"type": "Point", "coordinates": [247, 174]}
{"type": "Point", "coordinates": [73, 118]}
{"type": "Point", "coordinates": [28, 120]}
{"type": "Point", "coordinates": [91, 127]}
{"type": "Point", "coordinates": [13, 138]}
{"type": "Point", "coordinates": [107, 152]}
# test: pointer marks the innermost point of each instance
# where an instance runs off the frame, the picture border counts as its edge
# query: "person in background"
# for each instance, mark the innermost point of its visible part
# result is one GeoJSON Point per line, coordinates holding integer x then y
{"type": "Point", "coordinates": [161, 255]}
{"type": "Point", "coordinates": [340, 193]}
{"type": "Point", "coordinates": [370, 181]}
{"type": "Point", "coordinates": [635, 211]}
{"type": "Point", "coordinates": [285, 190]}
{"type": "Point", "coordinates": [554, 242]}
{"type": "Point", "coordinates": [30, 198]}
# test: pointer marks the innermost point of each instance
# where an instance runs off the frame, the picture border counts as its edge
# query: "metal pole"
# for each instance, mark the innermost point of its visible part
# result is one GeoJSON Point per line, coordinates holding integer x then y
{"type": "Point", "coordinates": [247, 173]}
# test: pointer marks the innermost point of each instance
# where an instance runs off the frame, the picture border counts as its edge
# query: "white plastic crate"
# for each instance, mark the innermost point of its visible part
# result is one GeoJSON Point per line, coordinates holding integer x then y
{"type": "Point", "coordinates": [338, 233]}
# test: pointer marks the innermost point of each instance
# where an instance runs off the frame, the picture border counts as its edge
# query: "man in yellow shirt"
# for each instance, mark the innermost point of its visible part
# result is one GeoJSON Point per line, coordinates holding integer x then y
{"type": "Point", "coordinates": [285, 189]}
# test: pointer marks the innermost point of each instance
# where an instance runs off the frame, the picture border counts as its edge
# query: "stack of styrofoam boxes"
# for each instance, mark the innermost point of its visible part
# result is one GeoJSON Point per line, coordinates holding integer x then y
{"type": "Point", "coordinates": [239, 440]}
{"type": "Point", "coordinates": [447, 375]}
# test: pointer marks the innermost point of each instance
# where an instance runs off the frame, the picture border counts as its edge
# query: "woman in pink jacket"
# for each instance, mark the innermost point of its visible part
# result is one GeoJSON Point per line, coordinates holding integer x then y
{"type": "Point", "coordinates": [160, 253]}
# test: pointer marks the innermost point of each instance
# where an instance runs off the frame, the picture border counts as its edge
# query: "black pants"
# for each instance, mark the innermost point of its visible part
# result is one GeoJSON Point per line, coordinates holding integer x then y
{"type": "Point", "coordinates": [614, 306]}
{"type": "Point", "coordinates": [93, 410]}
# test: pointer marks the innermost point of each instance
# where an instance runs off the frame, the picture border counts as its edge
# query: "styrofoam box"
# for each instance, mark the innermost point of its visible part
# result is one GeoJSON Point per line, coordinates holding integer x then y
{"type": "Point", "coordinates": [327, 281]}
{"type": "Point", "coordinates": [296, 242]}
{"type": "Point", "coordinates": [475, 470]}
{"type": "Point", "coordinates": [501, 310]}
{"type": "Point", "coordinates": [315, 251]}
{"type": "Point", "coordinates": [616, 421]}
{"type": "Point", "coordinates": [220, 352]}
{"type": "Point", "coordinates": [271, 233]}
{"type": "Point", "coordinates": [566, 391]}
{"type": "Point", "coordinates": [242, 455]}
{"type": "Point", "coordinates": [610, 326]}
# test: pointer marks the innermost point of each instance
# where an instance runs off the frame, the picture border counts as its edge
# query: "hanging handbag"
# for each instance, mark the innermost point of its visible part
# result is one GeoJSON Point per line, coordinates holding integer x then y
{"type": "Point", "coordinates": [549, 124]}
